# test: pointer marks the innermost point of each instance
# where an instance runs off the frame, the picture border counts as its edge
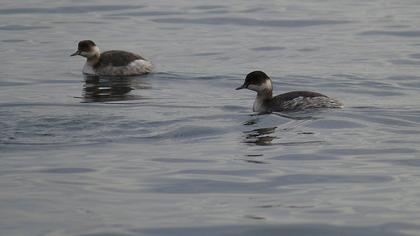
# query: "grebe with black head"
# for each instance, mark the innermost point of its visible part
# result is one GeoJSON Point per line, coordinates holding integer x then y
{"type": "Point", "coordinates": [259, 82]}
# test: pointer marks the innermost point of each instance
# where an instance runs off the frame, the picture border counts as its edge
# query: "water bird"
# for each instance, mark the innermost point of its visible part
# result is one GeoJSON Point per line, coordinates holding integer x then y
{"type": "Point", "coordinates": [111, 63]}
{"type": "Point", "coordinates": [259, 82]}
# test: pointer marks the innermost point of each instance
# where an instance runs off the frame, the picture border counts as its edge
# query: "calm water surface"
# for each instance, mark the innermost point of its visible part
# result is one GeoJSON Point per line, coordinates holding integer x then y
{"type": "Point", "coordinates": [179, 152]}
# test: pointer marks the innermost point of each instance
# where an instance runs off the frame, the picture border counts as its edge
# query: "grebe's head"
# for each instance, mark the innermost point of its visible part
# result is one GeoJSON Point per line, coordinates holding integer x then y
{"type": "Point", "coordinates": [86, 48]}
{"type": "Point", "coordinates": [257, 81]}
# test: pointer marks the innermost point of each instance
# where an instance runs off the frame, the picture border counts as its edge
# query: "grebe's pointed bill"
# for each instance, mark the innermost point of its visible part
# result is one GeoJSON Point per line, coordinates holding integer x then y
{"type": "Point", "coordinates": [245, 85]}
{"type": "Point", "coordinates": [75, 53]}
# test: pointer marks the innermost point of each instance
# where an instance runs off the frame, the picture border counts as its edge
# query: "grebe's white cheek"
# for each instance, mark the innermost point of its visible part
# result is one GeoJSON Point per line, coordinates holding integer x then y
{"type": "Point", "coordinates": [254, 87]}
{"type": "Point", "coordinates": [84, 54]}
{"type": "Point", "coordinates": [266, 85]}
{"type": "Point", "coordinates": [94, 50]}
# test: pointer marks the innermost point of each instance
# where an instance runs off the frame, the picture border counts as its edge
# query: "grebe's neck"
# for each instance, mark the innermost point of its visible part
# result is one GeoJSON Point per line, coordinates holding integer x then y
{"type": "Point", "coordinates": [93, 57]}
{"type": "Point", "coordinates": [262, 99]}
{"type": "Point", "coordinates": [265, 94]}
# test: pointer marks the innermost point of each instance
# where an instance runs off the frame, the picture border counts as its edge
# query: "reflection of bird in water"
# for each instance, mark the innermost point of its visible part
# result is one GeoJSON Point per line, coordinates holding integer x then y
{"type": "Point", "coordinates": [265, 135]}
{"type": "Point", "coordinates": [260, 136]}
{"type": "Point", "coordinates": [290, 131]}
{"type": "Point", "coordinates": [107, 89]}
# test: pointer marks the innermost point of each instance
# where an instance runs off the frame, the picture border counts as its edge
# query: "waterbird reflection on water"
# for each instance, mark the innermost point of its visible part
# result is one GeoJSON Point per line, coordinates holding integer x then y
{"type": "Point", "coordinates": [260, 137]}
{"type": "Point", "coordinates": [293, 122]}
{"type": "Point", "coordinates": [263, 136]}
{"type": "Point", "coordinates": [109, 89]}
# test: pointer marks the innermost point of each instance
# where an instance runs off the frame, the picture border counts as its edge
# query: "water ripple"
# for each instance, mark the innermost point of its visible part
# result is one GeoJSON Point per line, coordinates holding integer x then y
{"type": "Point", "coordinates": [391, 33]}
{"type": "Point", "coordinates": [301, 229]}
{"type": "Point", "coordinates": [208, 185]}
{"type": "Point", "coordinates": [67, 9]}
{"type": "Point", "coordinates": [22, 27]}
{"type": "Point", "coordinates": [249, 22]}
{"type": "Point", "coordinates": [68, 170]}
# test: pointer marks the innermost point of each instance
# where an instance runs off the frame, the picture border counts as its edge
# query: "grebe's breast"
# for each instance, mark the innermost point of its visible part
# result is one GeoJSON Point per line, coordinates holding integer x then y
{"type": "Point", "coordinates": [88, 69]}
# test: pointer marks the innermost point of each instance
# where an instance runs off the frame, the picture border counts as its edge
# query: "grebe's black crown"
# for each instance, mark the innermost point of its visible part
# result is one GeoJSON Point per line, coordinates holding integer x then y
{"type": "Point", "coordinates": [256, 77]}
{"type": "Point", "coordinates": [85, 45]}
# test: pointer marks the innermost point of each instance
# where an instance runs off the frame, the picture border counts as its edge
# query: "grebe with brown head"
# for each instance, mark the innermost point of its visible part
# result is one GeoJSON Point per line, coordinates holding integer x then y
{"type": "Point", "coordinates": [111, 63]}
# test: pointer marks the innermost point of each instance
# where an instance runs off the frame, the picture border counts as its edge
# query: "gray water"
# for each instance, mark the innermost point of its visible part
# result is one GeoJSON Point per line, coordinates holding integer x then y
{"type": "Point", "coordinates": [179, 152]}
